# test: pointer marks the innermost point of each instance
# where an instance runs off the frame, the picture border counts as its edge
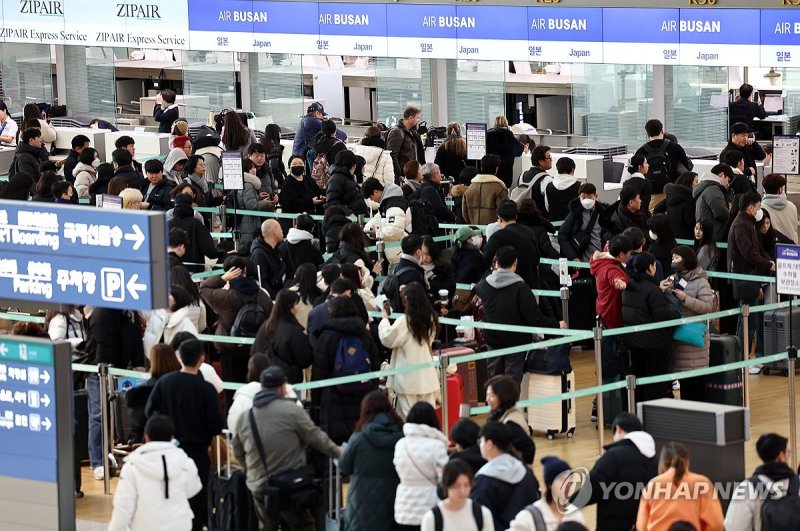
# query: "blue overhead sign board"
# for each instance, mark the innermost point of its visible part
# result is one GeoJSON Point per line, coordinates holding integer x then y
{"type": "Point", "coordinates": [485, 34]}
{"type": "Point", "coordinates": [426, 31]}
{"type": "Point", "coordinates": [641, 36]}
{"type": "Point", "coordinates": [36, 434]}
{"type": "Point", "coordinates": [352, 29]}
{"type": "Point", "coordinates": [719, 37]}
{"type": "Point", "coordinates": [568, 35]}
{"type": "Point", "coordinates": [64, 254]}
{"type": "Point", "coordinates": [780, 37]}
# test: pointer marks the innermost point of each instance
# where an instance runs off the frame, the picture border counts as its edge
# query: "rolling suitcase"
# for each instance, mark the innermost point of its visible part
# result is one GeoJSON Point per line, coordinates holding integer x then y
{"type": "Point", "coordinates": [614, 402]}
{"type": "Point", "coordinates": [468, 372]}
{"type": "Point", "coordinates": [776, 337]}
{"type": "Point", "coordinates": [724, 387]}
{"type": "Point", "coordinates": [455, 397]}
{"type": "Point", "coordinates": [334, 515]}
{"type": "Point", "coordinates": [554, 417]}
{"type": "Point", "coordinates": [230, 505]}
{"type": "Point", "coordinates": [582, 314]}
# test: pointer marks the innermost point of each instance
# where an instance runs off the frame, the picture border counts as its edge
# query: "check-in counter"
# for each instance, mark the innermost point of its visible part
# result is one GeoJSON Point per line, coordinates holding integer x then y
{"type": "Point", "coordinates": [6, 157]}
{"type": "Point", "coordinates": [64, 136]}
{"type": "Point", "coordinates": [146, 143]}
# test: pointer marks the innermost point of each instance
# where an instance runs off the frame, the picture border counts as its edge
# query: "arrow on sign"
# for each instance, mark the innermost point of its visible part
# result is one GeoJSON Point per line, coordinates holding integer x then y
{"type": "Point", "coordinates": [45, 377]}
{"type": "Point", "coordinates": [137, 237]}
{"type": "Point", "coordinates": [3, 349]}
{"type": "Point", "coordinates": [134, 288]}
{"type": "Point", "coordinates": [45, 400]}
{"type": "Point", "coordinates": [47, 424]}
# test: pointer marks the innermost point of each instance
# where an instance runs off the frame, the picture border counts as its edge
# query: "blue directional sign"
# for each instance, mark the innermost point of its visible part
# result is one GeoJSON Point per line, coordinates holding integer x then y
{"type": "Point", "coordinates": [68, 254]}
{"type": "Point", "coordinates": [36, 434]}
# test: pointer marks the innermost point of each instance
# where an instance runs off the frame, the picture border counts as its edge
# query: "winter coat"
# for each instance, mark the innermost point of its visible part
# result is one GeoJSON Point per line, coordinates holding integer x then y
{"type": "Point", "coordinates": [573, 224]}
{"type": "Point", "coordinates": [211, 155]}
{"type": "Point", "coordinates": [746, 255]}
{"type": "Point", "coordinates": [620, 218]}
{"type": "Point", "coordinates": [472, 455]}
{"type": "Point", "coordinates": [331, 226]}
{"type": "Point", "coordinates": [606, 270]}
{"type": "Point", "coordinates": [201, 245]}
{"type": "Point", "coordinates": [300, 249]}
{"type": "Point", "coordinates": [505, 486]}
{"type": "Point", "coordinates": [403, 145]}
{"type": "Point", "coordinates": [517, 424]}
{"type": "Point", "coordinates": [699, 301]}
{"type": "Point", "coordinates": [289, 349]}
{"type": "Point", "coordinates": [711, 202]}
{"type": "Point", "coordinates": [479, 205]}
{"type": "Point", "coordinates": [329, 145]}
{"type": "Point", "coordinates": [558, 195]}
{"type": "Point", "coordinates": [339, 411]}
{"type": "Point", "coordinates": [409, 271]}
{"type": "Point", "coordinates": [406, 350]}
{"type": "Point", "coordinates": [160, 197]}
{"type": "Point", "coordinates": [707, 258]}
{"type": "Point", "coordinates": [247, 199]}
{"type": "Point", "coordinates": [85, 176]}
{"type": "Point", "coordinates": [643, 302]}
{"type": "Point", "coordinates": [502, 142]}
{"type": "Point", "coordinates": [226, 300]}
{"type": "Point", "coordinates": [524, 240]}
{"type": "Point", "coordinates": [418, 459]}
{"type": "Point", "coordinates": [663, 502]}
{"type": "Point", "coordinates": [782, 215]}
{"type": "Point", "coordinates": [346, 254]}
{"type": "Point", "coordinates": [175, 156]}
{"type": "Point", "coordinates": [744, 511]}
{"type": "Point", "coordinates": [378, 159]}
{"type": "Point", "coordinates": [750, 152]}
{"type": "Point", "coordinates": [432, 193]}
{"type": "Point", "coordinates": [343, 190]}
{"type": "Point", "coordinates": [449, 162]}
{"type": "Point", "coordinates": [368, 459]}
{"type": "Point", "coordinates": [631, 460]}
{"type": "Point", "coordinates": [243, 401]}
{"type": "Point", "coordinates": [507, 299]}
{"type": "Point", "coordinates": [741, 183]}
{"type": "Point", "coordinates": [440, 277]}
{"type": "Point", "coordinates": [644, 186]}
{"type": "Point", "coordinates": [542, 229]}
{"type": "Point", "coordinates": [27, 160]}
{"type": "Point", "coordinates": [165, 117]}
{"type": "Point", "coordinates": [154, 490]}
{"type": "Point", "coordinates": [469, 264]}
{"type": "Point", "coordinates": [134, 178]}
{"type": "Point", "coordinates": [395, 219]}
{"type": "Point", "coordinates": [680, 210]}
{"type": "Point", "coordinates": [68, 327]}
{"type": "Point", "coordinates": [552, 520]}
{"type": "Point", "coordinates": [307, 131]}
{"type": "Point", "coordinates": [115, 338]}
{"type": "Point", "coordinates": [298, 196]}
{"type": "Point", "coordinates": [48, 132]}
{"type": "Point", "coordinates": [269, 262]}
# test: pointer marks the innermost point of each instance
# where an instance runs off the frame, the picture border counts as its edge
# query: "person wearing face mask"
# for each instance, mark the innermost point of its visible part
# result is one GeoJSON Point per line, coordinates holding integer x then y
{"type": "Point", "coordinates": [86, 171]}
{"type": "Point", "coordinates": [581, 234]}
{"type": "Point", "coordinates": [300, 192]}
{"type": "Point", "coordinates": [747, 256]}
{"type": "Point", "coordinates": [689, 284]}
{"type": "Point", "coordinates": [468, 262]}
{"type": "Point", "coordinates": [644, 302]}
{"type": "Point", "coordinates": [782, 213]}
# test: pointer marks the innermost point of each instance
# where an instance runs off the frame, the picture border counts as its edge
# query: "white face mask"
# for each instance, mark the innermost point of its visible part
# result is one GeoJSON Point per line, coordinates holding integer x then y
{"type": "Point", "coordinates": [653, 235]}
{"type": "Point", "coordinates": [477, 241]}
{"type": "Point", "coordinates": [588, 204]}
{"type": "Point", "coordinates": [759, 215]}
{"type": "Point", "coordinates": [96, 163]}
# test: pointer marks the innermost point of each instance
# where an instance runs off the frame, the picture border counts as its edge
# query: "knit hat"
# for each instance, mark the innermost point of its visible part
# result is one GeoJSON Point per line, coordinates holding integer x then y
{"type": "Point", "coordinates": [180, 127]}
{"type": "Point", "coordinates": [183, 200]}
{"type": "Point", "coordinates": [273, 377]}
{"type": "Point", "coordinates": [467, 232]}
{"type": "Point", "coordinates": [553, 466]}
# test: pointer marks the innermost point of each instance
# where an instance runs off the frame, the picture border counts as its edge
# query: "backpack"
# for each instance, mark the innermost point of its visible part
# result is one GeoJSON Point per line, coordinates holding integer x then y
{"type": "Point", "coordinates": [780, 514]}
{"type": "Point", "coordinates": [524, 189]}
{"type": "Point", "coordinates": [538, 519]}
{"type": "Point", "coordinates": [351, 358]}
{"type": "Point", "coordinates": [249, 318]}
{"type": "Point", "coordinates": [207, 131]}
{"type": "Point", "coordinates": [477, 514]}
{"type": "Point", "coordinates": [660, 172]}
{"type": "Point", "coordinates": [423, 220]}
{"type": "Point", "coordinates": [275, 164]}
{"type": "Point", "coordinates": [319, 170]}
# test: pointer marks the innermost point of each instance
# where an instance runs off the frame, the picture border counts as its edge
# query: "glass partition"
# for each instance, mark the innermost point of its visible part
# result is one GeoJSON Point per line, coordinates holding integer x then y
{"type": "Point", "coordinates": [696, 104]}
{"type": "Point", "coordinates": [209, 83]}
{"type": "Point", "coordinates": [276, 89]}
{"type": "Point", "coordinates": [89, 82]}
{"type": "Point", "coordinates": [475, 91]}
{"type": "Point", "coordinates": [400, 83]}
{"type": "Point", "coordinates": [26, 75]}
{"type": "Point", "coordinates": [611, 103]}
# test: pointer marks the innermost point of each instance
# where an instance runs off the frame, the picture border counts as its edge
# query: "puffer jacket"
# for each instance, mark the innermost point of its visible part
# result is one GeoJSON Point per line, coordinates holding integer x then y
{"type": "Point", "coordinates": [247, 199]}
{"type": "Point", "coordinates": [699, 301]}
{"type": "Point", "coordinates": [479, 204]}
{"type": "Point", "coordinates": [379, 160]}
{"type": "Point", "coordinates": [154, 489]}
{"type": "Point", "coordinates": [417, 458]}
{"type": "Point", "coordinates": [395, 219]}
{"type": "Point", "coordinates": [711, 202]}
{"type": "Point", "coordinates": [782, 214]}
{"type": "Point", "coordinates": [342, 189]}
{"type": "Point", "coordinates": [403, 144]}
{"type": "Point", "coordinates": [329, 145]}
{"type": "Point", "coordinates": [85, 176]}
{"type": "Point", "coordinates": [408, 351]}
{"type": "Point", "coordinates": [644, 303]}
{"type": "Point", "coordinates": [680, 210]}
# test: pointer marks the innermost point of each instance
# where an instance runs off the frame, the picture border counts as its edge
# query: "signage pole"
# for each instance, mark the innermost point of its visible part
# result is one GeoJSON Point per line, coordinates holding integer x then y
{"type": "Point", "coordinates": [598, 371]}
{"type": "Point", "coordinates": [745, 355]}
{"type": "Point", "coordinates": [104, 423]}
{"type": "Point", "coordinates": [790, 367]}
{"type": "Point", "coordinates": [444, 361]}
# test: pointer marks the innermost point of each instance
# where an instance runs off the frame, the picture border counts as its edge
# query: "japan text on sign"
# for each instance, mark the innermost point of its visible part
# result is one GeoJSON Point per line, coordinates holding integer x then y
{"type": "Point", "coordinates": [787, 269]}
{"type": "Point", "coordinates": [65, 254]}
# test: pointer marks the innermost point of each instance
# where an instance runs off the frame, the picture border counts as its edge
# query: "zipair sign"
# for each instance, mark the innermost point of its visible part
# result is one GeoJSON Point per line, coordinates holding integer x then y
{"type": "Point", "coordinates": [65, 254]}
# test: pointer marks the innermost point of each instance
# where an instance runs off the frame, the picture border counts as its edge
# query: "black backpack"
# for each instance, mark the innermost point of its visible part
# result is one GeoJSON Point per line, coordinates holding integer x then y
{"type": "Point", "coordinates": [779, 514]}
{"type": "Point", "coordinates": [660, 172]}
{"type": "Point", "coordinates": [423, 220]}
{"type": "Point", "coordinates": [275, 164]}
{"type": "Point", "coordinates": [207, 131]}
{"type": "Point", "coordinates": [249, 318]}
{"type": "Point", "coordinates": [477, 514]}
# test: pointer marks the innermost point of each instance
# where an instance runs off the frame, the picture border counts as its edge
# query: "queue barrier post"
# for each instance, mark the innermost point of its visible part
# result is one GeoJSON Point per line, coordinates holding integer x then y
{"type": "Point", "coordinates": [565, 304]}
{"type": "Point", "coordinates": [104, 425]}
{"type": "Point", "coordinates": [223, 217]}
{"type": "Point", "coordinates": [791, 364]}
{"type": "Point", "coordinates": [630, 381]}
{"type": "Point", "coordinates": [444, 361]}
{"type": "Point", "coordinates": [746, 354]}
{"type": "Point", "coordinates": [598, 372]}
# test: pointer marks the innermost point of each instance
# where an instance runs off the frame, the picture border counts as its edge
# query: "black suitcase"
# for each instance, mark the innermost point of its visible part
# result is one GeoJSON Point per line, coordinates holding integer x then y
{"type": "Point", "coordinates": [230, 504]}
{"type": "Point", "coordinates": [776, 338]}
{"type": "Point", "coordinates": [582, 298]}
{"type": "Point", "coordinates": [724, 387]}
{"type": "Point", "coordinates": [614, 402]}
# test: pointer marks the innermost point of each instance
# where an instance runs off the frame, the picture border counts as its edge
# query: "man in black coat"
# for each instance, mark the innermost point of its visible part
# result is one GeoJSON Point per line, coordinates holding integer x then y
{"type": "Point", "coordinates": [742, 110]}
{"type": "Point", "coordinates": [749, 148]}
{"type": "Point", "coordinates": [157, 190]}
{"type": "Point", "coordinates": [298, 247]}
{"type": "Point", "coordinates": [267, 259]}
{"type": "Point", "coordinates": [28, 155]}
{"type": "Point", "coordinates": [431, 192]}
{"type": "Point", "coordinates": [518, 236]}
{"type": "Point", "coordinates": [507, 299]}
{"type": "Point", "coordinates": [79, 143]}
{"type": "Point", "coordinates": [627, 212]}
{"type": "Point", "coordinates": [342, 188]}
{"type": "Point", "coordinates": [629, 460]}
{"type": "Point", "coordinates": [201, 245]}
{"type": "Point", "coordinates": [502, 142]}
{"type": "Point", "coordinates": [581, 234]}
{"type": "Point", "coordinates": [409, 268]}
{"type": "Point", "coordinates": [678, 160]}
{"type": "Point", "coordinates": [123, 165]}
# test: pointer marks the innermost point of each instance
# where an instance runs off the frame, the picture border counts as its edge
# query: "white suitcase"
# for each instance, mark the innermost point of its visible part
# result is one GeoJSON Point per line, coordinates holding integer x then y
{"type": "Point", "coordinates": [334, 517]}
{"type": "Point", "coordinates": [554, 417]}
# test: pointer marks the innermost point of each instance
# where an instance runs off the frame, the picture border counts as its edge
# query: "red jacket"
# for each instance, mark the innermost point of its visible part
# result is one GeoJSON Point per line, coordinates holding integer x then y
{"type": "Point", "coordinates": [606, 269]}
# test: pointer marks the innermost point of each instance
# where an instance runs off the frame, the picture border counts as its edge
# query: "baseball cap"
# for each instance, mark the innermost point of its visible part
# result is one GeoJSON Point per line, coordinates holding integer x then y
{"type": "Point", "coordinates": [464, 233]}
{"type": "Point", "coordinates": [273, 377]}
{"type": "Point", "coordinates": [317, 107]}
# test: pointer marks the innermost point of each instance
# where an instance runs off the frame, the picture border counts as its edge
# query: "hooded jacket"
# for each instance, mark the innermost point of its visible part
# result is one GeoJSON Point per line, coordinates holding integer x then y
{"type": "Point", "coordinates": [631, 460]}
{"type": "Point", "coordinates": [27, 160]}
{"type": "Point", "coordinates": [782, 214]}
{"type": "Point", "coordinates": [270, 265]}
{"type": "Point", "coordinates": [505, 486]}
{"type": "Point", "coordinates": [160, 197]}
{"type": "Point", "coordinates": [154, 490]}
{"type": "Point", "coordinates": [746, 255]}
{"type": "Point", "coordinates": [418, 457]}
{"type": "Point", "coordinates": [300, 249]}
{"type": "Point", "coordinates": [711, 201]}
{"type": "Point", "coordinates": [573, 224]}
{"type": "Point", "coordinates": [343, 190]}
{"type": "Point", "coordinates": [606, 270]}
{"type": "Point", "coordinates": [680, 210]}
{"type": "Point", "coordinates": [329, 145]}
{"type": "Point", "coordinates": [558, 194]}
{"type": "Point", "coordinates": [744, 511]}
{"type": "Point", "coordinates": [699, 301]}
{"type": "Point", "coordinates": [468, 264]}
{"type": "Point", "coordinates": [175, 156]}
{"type": "Point", "coordinates": [395, 219]}
{"type": "Point", "coordinates": [85, 176]}
{"type": "Point", "coordinates": [664, 501]}
{"type": "Point", "coordinates": [643, 302]}
{"type": "Point", "coordinates": [406, 350]}
{"type": "Point", "coordinates": [378, 159]}
{"type": "Point", "coordinates": [507, 299]}
{"type": "Point", "coordinates": [373, 483]}
{"type": "Point", "coordinates": [479, 204]}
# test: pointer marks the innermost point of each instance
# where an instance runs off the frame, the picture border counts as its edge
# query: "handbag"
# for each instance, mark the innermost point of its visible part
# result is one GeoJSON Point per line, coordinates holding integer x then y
{"type": "Point", "coordinates": [292, 491]}
{"type": "Point", "coordinates": [583, 237]}
{"type": "Point", "coordinates": [691, 333]}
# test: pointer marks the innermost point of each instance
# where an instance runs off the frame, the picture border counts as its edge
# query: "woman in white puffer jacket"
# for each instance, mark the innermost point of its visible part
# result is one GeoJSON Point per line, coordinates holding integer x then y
{"type": "Point", "coordinates": [419, 458]}
{"type": "Point", "coordinates": [379, 159]}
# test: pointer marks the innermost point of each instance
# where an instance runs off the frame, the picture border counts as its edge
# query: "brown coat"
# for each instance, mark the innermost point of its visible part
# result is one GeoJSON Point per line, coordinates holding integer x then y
{"type": "Point", "coordinates": [479, 205]}
{"type": "Point", "coordinates": [226, 302]}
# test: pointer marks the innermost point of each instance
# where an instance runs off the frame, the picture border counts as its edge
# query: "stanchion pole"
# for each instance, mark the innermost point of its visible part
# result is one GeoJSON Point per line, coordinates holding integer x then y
{"type": "Point", "coordinates": [565, 304]}
{"type": "Point", "coordinates": [792, 361]}
{"type": "Point", "coordinates": [598, 370]}
{"type": "Point", "coordinates": [222, 218]}
{"type": "Point", "coordinates": [444, 361]}
{"type": "Point", "coordinates": [746, 354]}
{"type": "Point", "coordinates": [104, 425]}
{"type": "Point", "coordinates": [630, 380]}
